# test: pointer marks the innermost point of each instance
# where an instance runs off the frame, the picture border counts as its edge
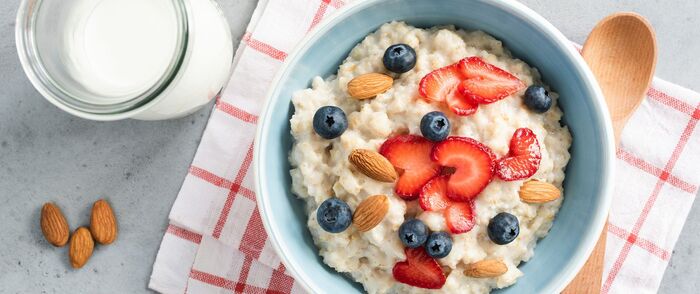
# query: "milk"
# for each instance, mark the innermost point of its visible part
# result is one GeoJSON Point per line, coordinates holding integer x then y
{"type": "Point", "coordinates": [118, 48]}
{"type": "Point", "coordinates": [117, 59]}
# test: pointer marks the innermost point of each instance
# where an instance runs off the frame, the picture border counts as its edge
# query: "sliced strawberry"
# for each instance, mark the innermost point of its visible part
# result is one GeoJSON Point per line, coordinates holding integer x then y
{"type": "Point", "coordinates": [440, 83]}
{"type": "Point", "coordinates": [473, 163]}
{"type": "Point", "coordinates": [433, 196]}
{"type": "Point", "coordinates": [485, 83]}
{"type": "Point", "coordinates": [459, 217]}
{"type": "Point", "coordinates": [523, 158]}
{"type": "Point", "coordinates": [410, 155]}
{"type": "Point", "coordinates": [460, 105]}
{"type": "Point", "coordinates": [419, 270]}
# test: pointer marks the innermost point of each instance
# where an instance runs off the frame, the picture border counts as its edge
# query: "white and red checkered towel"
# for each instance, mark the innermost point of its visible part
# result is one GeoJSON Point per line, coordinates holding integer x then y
{"type": "Point", "coordinates": [216, 242]}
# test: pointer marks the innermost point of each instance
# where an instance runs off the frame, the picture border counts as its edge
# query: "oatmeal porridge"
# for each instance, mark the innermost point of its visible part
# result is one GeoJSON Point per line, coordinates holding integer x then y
{"type": "Point", "coordinates": [455, 208]}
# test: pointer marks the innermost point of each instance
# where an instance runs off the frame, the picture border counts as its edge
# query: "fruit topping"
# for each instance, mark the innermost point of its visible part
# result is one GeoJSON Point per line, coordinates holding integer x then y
{"type": "Point", "coordinates": [503, 228]}
{"type": "Point", "coordinates": [419, 270]}
{"type": "Point", "coordinates": [399, 58]}
{"type": "Point", "coordinates": [433, 195]}
{"type": "Point", "coordinates": [460, 105]}
{"type": "Point", "coordinates": [334, 215]}
{"type": "Point", "coordinates": [413, 233]}
{"type": "Point", "coordinates": [537, 99]}
{"type": "Point", "coordinates": [435, 126]}
{"type": "Point", "coordinates": [439, 244]}
{"type": "Point", "coordinates": [473, 164]}
{"type": "Point", "coordinates": [485, 83]}
{"type": "Point", "coordinates": [460, 217]}
{"type": "Point", "coordinates": [440, 83]}
{"type": "Point", "coordinates": [330, 122]}
{"type": "Point", "coordinates": [466, 84]}
{"type": "Point", "coordinates": [523, 158]}
{"type": "Point", "coordinates": [410, 155]}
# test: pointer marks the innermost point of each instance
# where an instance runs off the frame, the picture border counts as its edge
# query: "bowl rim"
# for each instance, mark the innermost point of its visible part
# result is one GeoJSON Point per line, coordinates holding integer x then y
{"type": "Point", "coordinates": [513, 7]}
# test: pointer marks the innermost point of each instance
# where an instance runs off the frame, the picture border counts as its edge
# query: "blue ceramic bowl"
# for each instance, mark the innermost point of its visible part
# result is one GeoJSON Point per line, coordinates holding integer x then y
{"type": "Point", "coordinates": [560, 255]}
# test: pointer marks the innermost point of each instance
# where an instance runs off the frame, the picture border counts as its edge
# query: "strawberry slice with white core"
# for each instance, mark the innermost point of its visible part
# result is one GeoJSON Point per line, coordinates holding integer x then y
{"type": "Point", "coordinates": [523, 158]}
{"type": "Point", "coordinates": [433, 196]}
{"type": "Point", "coordinates": [459, 217]}
{"type": "Point", "coordinates": [442, 84]}
{"type": "Point", "coordinates": [419, 270]}
{"type": "Point", "coordinates": [460, 105]}
{"type": "Point", "coordinates": [410, 155]}
{"type": "Point", "coordinates": [485, 83]}
{"type": "Point", "coordinates": [473, 164]}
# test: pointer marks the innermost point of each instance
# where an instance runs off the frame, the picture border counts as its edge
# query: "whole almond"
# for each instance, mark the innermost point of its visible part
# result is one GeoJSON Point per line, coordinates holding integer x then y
{"type": "Point", "coordinates": [488, 268]}
{"type": "Point", "coordinates": [81, 246]}
{"type": "Point", "coordinates": [54, 225]}
{"type": "Point", "coordinates": [103, 224]}
{"type": "Point", "coordinates": [534, 191]}
{"type": "Point", "coordinates": [369, 85]}
{"type": "Point", "coordinates": [373, 165]}
{"type": "Point", "coordinates": [370, 212]}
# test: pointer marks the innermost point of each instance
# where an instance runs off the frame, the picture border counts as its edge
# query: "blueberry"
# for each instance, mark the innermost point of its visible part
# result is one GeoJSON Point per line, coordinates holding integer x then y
{"type": "Point", "coordinates": [413, 233]}
{"type": "Point", "coordinates": [435, 126]}
{"type": "Point", "coordinates": [537, 99]}
{"type": "Point", "coordinates": [399, 58]}
{"type": "Point", "coordinates": [334, 215]}
{"type": "Point", "coordinates": [330, 122]}
{"type": "Point", "coordinates": [503, 228]}
{"type": "Point", "coordinates": [439, 244]}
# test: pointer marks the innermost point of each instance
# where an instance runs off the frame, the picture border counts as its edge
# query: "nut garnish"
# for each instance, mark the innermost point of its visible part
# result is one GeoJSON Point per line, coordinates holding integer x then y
{"type": "Point", "coordinates": [369, 85]}
{"type": "Point", "coordinates": [81, 246]}
{"type": "Point", "coordinates": [373, 165]}
{"type": "Point", "coordinates": [534, 191]}
{"type": "Point", "coordinates": [103, 224]}
{"type": "Point", "coordinates": [370, 212]}
{"type": "Point", "coordinates": [488, 268]}
{"type": "Point", "coordinates": [54, 225]}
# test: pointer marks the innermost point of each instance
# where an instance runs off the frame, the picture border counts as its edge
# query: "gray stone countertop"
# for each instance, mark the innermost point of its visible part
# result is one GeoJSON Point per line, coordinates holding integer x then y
{"type": "Point", "coordinates": [48, 155]}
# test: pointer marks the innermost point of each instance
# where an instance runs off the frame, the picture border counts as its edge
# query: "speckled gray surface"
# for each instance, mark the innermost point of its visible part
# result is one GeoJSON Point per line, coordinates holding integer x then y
{"type": "Point", "coordinates": [47, 155]}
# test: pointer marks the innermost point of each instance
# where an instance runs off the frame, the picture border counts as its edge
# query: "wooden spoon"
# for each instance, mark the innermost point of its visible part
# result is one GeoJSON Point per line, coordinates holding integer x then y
{"type": "Point", "coordinates": [621, 52]}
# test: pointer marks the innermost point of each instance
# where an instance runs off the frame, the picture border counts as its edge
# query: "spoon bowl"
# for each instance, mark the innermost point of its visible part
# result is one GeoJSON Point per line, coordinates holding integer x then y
{"type": "Point", "coordinates": [621, 52]}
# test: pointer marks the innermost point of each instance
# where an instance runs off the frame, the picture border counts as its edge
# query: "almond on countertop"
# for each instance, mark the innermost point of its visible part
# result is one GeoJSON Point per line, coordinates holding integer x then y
{"type": "Point", "coordinates": [369, 85]}
{"type": "Point", "coordinates": [370, 212]}
{"type": "Point", "coordinates": [81, 246]}
{"type": "Point", "coordinates": [54, 225]}
{"type": "Point", "coordinates": [373, 165]}
{"type": "Point", "coordinates": [488, 268]}
{"type": "Point", "coordinates": [534, 191]}
{"type": "Point", "coordinates": [103, 224]}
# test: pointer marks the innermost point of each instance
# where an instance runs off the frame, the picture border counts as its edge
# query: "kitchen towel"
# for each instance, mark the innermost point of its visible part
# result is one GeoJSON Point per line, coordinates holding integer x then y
{"type": "Point", "coordinates": [216, 243]}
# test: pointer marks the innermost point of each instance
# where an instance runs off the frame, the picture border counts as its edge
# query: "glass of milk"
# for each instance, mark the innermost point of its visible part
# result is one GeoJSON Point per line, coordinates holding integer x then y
{"type": "Point", "coordinates": [117, 59]}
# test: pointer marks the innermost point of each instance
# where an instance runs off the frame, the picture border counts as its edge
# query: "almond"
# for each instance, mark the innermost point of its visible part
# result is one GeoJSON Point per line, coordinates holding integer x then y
{"type": "Point", "coordinates": [81, 246]}
{"type": "Point", "coordinates": [370, 212]}
{"type": "Point", "coordinates": [373, 165]}
{"type": "Point", "coordinates": [103, 224]}
{"type": "Point", "coordinates": [54, 225]}
{"type": "Point", "coordinates": [369, 85]}
{"type": "Point", "coordinates": [534, 191]}
{"type": "Point", "coordinates": [488, 268]}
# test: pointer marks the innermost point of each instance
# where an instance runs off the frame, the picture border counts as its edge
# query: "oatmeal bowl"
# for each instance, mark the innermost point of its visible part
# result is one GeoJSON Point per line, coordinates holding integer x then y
{"type": "Point", "coordinates": [434, 147]}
